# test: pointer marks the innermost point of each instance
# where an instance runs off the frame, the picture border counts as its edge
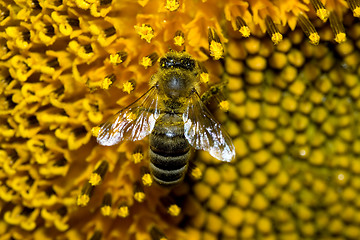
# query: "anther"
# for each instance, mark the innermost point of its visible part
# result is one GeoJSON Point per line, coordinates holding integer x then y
{"type": "Point", "coordinates": [26, 36]}
{"type": "Point", "coordinates": [98, 174]}
{"type": "Point", "coordinates": [215, 46]}
{"type": "Point", "coordinates": [109, 31]}
{"type": "Point", "coordinates": [105, 2]}
{"type": "Point", "coordinates": [273, 31]}
{"type": "Point", "coordinates": [88, 48]}
{"type": "Point", "coordinates": [355, 7]}
{"type": "Point", "coordinates": [36, 5]}
{"type": "Point", "coordinates": [118, 57]}
{"type": "Point", "coordinates": [123, 210]}
{"type": "Point", "coordinates": [172, 5]}
{"type": "Point", "coordinates": [4, 13]}
{"type": "Point", "coordinates": [309, 29]}
{"type": "Point", "coordinates": [108, 81]}
{"type": "Point", "coordinates": [179, 38]}
{"type": "Point", "coordinates": [53, 63]}
{"type": "Point", "coordinates": [204, 75]}
{"type": "Point", "coordinates": [61, 162]}
{"type": "Point", "coordinates": [171, 207]}
{"type": "Point", "coordinates": [149, 60]}
{"type": "Point", "coordinates": [50, 192]}
{"type": "Point", "coordinates": [196, 173]}
{"type": "Point", "coordinates": [156, 234]}
{"type": "Point", "coordinates": [129, 86]}
{"type": "Point", "coordinates": [242, 27]}
{"type": "Point", "coordinates": [96, 236]}
{"type": "Point", "coordinates": [146, 177]}
{"type": "Point", "coordinates": [74, 22]}
{"type": "Point", "coordinates": [320, 9]}
{"type": "Point", "coordinates": [80, 131]}
{"type": "Point", "coordinates": [337, 27]}
{"type": "Point", "coordinates": [139, 194]}
{"type": "Point", "coordinates": [86, 192]}
{"type": "Point", "coordinates": [50, 31]}
{"type": "Point", "coordinates": [145, 31]}
{"type": "Point", "coordinates": [106, 204]}
{"type": "Point", "coordinates": [137, 156]}
{"type": "Point", "coordinates": [62, 211]}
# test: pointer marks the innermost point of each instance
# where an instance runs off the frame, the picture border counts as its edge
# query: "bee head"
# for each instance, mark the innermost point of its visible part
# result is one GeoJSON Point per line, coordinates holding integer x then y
{"type": "Point", "coordinates": [185, 62]}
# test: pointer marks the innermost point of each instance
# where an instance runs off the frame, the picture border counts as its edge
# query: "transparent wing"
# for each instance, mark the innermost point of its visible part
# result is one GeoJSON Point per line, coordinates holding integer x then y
{"type": "Point", "coordinates": [133, 122]}
{"type": "Point", "coordinates": [204, 132]}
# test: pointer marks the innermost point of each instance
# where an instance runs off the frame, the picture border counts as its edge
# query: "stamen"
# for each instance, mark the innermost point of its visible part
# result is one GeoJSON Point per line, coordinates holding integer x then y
{"type": "Point", "coordinates": [4, 13]}
{"type": "Point", "coordinates": [105, 2]}
{"type": "Point", "coordinates": [61, 162]}
{"type": "Point", "coordinates": [355, 7]}
{"type": "Point", "coordinates": [36, 5]}
{"type": "Point", "coordinates": [156, 234]}
{"type": "Point", "coordinates": [129, 86]}
{"type": "Point", "coordinates": [179, 38]}
{"type": "Point", "coordinates": [224, 105]}
{"type": "Point", "coordinates": [139, 194]}
{"type": "Point", "coordinates": [273, 31]}
{"type": "Point", "coordinates": [50, 192]}
{"type": "Point", "coordinates": [96, 236]}
{"type": "Point", "coordinates": [109, 31]}
{"type": "Point", "coordinates": [118, 57]}
{"type": "Point", "coordinates": [26, 36]}
{"type": "Point", "coordinates": [146, 177]}
{"type": "Point", "coordinates": [204, 75]}
{"type": "Point", "coordinates": [88, 48]}
{"type": "Point", "coordinates": [145, 31]}
{"type": "Point", "coordinates": [196, 173]}
{"type": "Point", "coordinates": [309, 29]}
{"type": "Point", "coordinates": [106, 204]}
{"type": "Point", "coordinates": [62, 211]}
{"type": "Point", "coordinates": [95, 131]}
{"type": "Point", "coordinates": [74, 22]}
{"type": "Point", "coordinates": [50, 31]}
{"type": "Point", "coordinates": [80, 131]}
{"type": "Point", "coordinates": [242, 27]}
{"type": "Point", "coordinates": [172, 208]}
{"type": "Point", "coordinates": [123, 210]}
{"type": "Point", "coordinates": [320, 9]}
{"type": "Point", "coordinates": [137, 156]}
{"type": "Point", "coordinates": [108, 81]}
{"type": "Point", "coordinates": [215, 46]}
{"type": "Point", "coordinates": [149, 60]}
{"type": "Point", "coordinates": [86, 192]}
{"type": "Point", "coordinates": [98, 175]}
{"type": "Point", "coordinates": [53, 63]}
{"type": "Point", "coordinates": [338, 28]}
{"type": "Point", "coordinates": [172, 5]}
{"type": "Point", "coordinates": [32, 120]}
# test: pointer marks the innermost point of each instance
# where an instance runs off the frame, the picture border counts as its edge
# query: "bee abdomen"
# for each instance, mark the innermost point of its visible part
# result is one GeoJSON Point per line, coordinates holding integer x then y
{"type": "Point", "coordinates": [168, 170]}
{"type": "Point", "coordinates": [169, 150]}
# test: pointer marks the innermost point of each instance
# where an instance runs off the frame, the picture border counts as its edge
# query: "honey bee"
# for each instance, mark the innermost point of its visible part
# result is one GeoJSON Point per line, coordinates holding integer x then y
{"type": "Point", "coordinates": [172, 112]}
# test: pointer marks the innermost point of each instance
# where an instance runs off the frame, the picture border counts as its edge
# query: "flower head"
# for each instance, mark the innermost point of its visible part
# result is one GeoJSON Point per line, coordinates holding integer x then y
{"type": "Point", "coordinates": [292, 109]}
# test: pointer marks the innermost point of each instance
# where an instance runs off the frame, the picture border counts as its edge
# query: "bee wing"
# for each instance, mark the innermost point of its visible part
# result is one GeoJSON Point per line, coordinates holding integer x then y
{"type": "Point", "coordinates": [204, 133]}
{"type": "Point", "coordinates": [133, 122]}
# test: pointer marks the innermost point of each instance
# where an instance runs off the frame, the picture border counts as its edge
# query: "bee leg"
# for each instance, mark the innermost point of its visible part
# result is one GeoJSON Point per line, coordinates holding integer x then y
{"type": "Point", "coordinates": [216, 90]}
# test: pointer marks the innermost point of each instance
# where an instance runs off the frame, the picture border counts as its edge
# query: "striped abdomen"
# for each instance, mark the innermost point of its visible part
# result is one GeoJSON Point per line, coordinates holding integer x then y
{"type": "Point", "coordinates": [169, 150]}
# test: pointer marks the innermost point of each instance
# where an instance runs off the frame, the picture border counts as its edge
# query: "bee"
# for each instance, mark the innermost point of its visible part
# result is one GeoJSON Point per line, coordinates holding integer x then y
{"type": "Point", "coordinates": [176, 119]}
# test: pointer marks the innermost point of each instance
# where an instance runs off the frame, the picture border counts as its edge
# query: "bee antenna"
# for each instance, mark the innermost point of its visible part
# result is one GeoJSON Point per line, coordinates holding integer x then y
{"type": "Point", "coordinates": [184, 50]}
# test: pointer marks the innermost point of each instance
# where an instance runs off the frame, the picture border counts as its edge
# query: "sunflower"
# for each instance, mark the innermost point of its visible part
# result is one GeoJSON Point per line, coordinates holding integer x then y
{"type": "Point", "coordinates": [291, 104]}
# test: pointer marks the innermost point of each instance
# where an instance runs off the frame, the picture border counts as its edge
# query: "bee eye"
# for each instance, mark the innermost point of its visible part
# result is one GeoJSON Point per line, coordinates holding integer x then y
{"type": "Point", "coordinates": [188, 63]}
{"type": "Point", "coordinates": [191, 64]}
{"type": "Point", "coordinates": [162, 62]}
